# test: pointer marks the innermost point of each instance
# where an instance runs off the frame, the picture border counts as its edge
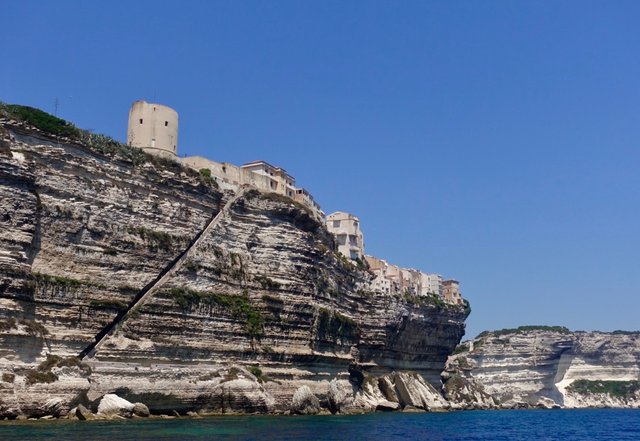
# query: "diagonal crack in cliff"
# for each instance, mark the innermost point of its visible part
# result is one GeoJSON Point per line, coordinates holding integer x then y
{"type": "Point", "coordinates": [145, 293]}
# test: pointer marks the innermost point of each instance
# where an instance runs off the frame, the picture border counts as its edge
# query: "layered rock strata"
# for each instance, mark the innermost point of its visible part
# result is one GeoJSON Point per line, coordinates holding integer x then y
{"type": "Point", "coordinates": [549, 367]}
{"type": "Point", "coordinates": [261, 306]}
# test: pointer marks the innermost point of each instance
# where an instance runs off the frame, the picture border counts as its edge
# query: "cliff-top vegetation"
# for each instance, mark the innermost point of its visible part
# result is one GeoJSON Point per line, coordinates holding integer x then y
{"type": "Point", "coordinates": [59, 128]}
{"type": "Point", "coordinates": [524, 329]}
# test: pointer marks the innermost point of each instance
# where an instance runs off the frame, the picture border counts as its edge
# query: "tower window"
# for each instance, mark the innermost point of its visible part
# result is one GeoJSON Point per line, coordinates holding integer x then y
{"type": "Point", "coordinates": [140, 120]}
{"type": "Point", "coordinates": [166, 123]}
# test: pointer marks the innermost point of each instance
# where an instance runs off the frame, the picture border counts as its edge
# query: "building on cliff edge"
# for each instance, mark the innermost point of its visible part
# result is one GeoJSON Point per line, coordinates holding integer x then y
{"type": "Point", "coordinates": [346, 229]}
{"type": "Point", "coordinates": [389, 278]}
{"type": "Point", "coordinates": [154, 128]}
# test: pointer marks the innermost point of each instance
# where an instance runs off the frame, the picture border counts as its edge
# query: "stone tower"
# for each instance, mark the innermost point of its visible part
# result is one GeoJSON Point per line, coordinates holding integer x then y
{"type": "Point", "coordinates": [153, 128]}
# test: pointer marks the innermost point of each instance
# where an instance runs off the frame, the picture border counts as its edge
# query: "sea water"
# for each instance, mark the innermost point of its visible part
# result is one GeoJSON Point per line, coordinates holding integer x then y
{"type": "Point", "coordinates": [561, 425]}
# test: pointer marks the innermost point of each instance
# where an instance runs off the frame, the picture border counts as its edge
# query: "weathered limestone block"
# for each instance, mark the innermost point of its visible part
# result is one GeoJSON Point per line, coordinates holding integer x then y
{"type": "Point", "coordinates": [467, 393]}
{"type": "Point", "coordinates": [340, 395]}
{"type": "Point", "coordinates": [56, 407]}
{"type": "Point", "coordinates": [83, 413]}
{"type": "Point", "coordinates": [112, 405]}
{"type": "Point", "coordinates": [413, 390]}
{"type": "Point", "coordinates": [248, 396]}
{"type": "Point", "coordinates": [304, 402]}
{"type": "Point", "coordinates": [141, 410]}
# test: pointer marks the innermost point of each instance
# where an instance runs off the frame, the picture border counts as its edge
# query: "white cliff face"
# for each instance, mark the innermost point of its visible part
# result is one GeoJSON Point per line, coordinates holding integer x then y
{"type": "Point", "coordinates": [521, 368]}
{"type": "Point", "coordinates": [82, 232]}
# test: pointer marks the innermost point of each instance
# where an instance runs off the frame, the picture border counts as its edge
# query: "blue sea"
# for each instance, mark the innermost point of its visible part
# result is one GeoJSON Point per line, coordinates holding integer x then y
{"type": "Point", "coordinates": [561, 425]}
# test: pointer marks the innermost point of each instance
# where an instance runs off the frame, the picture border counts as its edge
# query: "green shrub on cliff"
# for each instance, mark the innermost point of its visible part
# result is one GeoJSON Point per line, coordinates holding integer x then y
{"type": "Point", "coordinates": [267, 283]}
{"type": "Point", "coordinates": [43, 373]}
{"type": "Point", "coordinates": [423, 300]}
{"type": "Point", "coordinates": [61, 281]}
{"type": "Point", "coordinates": [41, 120]}
{"type": "Point", "coordinates": [239, 307]}
{"type": "Point", "coordinates": [461, 349]}
{"type": "Point", "coordinates": [33, 377]}
{"type": "Point", "coordinates": [618, 389]}
{"type": "Point", "coordinates": [205, 175]}
{"type": "Point", "coordinates": [8, 324]}
{"type": "Point", "coordinates": [467, 308]}
{"type": "Point", "coordinates": [108, 304]}
{"type": "Point", "coordinates": [333, 326]}
{"type": "Point", "coordinates": [158, 240]}
{"type": "Point", "coordinates": [103, 144]}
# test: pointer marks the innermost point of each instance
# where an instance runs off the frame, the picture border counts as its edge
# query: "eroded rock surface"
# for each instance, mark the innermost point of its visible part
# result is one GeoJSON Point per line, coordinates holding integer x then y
{"type": "Point", "coordinates": [112, 405]}
{"type": "Point", "coordinates": [545, 368]}
{"type": "Point", "coordinates": [263, 306]}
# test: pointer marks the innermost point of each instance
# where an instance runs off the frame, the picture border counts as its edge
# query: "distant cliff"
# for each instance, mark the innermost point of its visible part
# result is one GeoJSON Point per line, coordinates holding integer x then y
{"type": "Point", "coordinates": [545, 366]}
{"type": "Point", "coordinates": [184, 297]}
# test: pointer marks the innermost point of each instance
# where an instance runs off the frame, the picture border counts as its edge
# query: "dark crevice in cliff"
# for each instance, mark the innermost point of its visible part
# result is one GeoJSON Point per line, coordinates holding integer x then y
{"type": "Point", "coordinates": [157, 281]}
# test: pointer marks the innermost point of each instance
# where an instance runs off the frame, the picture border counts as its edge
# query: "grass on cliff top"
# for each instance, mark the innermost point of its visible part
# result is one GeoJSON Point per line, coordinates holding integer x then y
{"type": "Point", "coordinates": [41, 120]}
{"type": "Point", "coordinates": [58, 127]}
{"type": "Point", "coordinates": [618, 389]}
{"type": "Point", "coordinates": [524, 329]}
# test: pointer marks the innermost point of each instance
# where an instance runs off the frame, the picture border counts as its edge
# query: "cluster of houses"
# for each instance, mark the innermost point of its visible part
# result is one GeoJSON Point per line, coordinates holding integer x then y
{"type": "Point", "coordinates": [154, 128]}
{"type": "Point", "coordinates": [390, 278]}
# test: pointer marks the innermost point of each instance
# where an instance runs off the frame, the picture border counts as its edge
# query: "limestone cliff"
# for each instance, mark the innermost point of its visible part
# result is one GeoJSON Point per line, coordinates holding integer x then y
{"type": "Point", "coordinates": [546, 366]}
{"type": "Point", "coordinates": [184, 297]}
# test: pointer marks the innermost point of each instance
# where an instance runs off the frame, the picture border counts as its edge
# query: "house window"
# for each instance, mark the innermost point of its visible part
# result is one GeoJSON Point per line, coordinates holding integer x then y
{"type": "Point", "coordinates": [224, 169]}
{"type": "Point", "coordinates": [336, 223]}
{"type": "Point", "coordinates": [153, 142]}
{"type": "Point", "coordinates": [140, 120]}
{"type": "Point", "coordinates": [166, 123]}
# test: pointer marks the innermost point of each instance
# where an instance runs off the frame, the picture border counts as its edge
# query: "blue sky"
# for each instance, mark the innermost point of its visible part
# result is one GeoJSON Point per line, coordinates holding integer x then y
{"type": "Point", "coordinates": [494, 142]}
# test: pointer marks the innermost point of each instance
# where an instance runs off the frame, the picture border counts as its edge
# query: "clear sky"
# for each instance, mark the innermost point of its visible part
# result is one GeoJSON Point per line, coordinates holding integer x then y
{"type": "Point", "coordinates": [494, 142]}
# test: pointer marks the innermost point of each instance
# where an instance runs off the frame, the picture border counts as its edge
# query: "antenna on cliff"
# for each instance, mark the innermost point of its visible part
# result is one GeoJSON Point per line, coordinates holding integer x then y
{"type": "Point", "coordinates": [55, 107]}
